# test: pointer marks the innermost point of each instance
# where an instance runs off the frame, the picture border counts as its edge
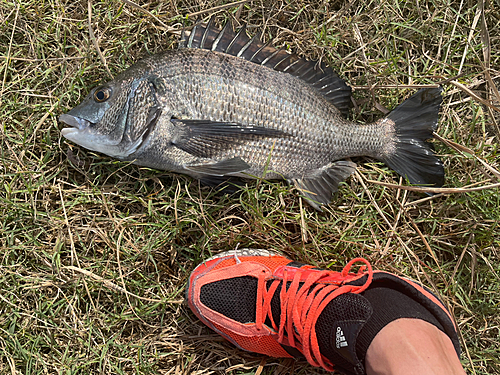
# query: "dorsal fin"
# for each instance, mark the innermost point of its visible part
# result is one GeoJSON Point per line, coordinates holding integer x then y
{"type": "Point", "coordinates": [314, 73]}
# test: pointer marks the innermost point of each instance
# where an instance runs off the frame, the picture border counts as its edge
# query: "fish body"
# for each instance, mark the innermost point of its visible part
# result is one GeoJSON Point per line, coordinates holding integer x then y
{"type": "Point", "coordinates": [225, 105]}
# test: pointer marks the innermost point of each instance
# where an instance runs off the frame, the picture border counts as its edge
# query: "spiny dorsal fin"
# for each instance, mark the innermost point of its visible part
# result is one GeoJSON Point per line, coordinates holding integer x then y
{"type": "Point", "coordinates": [316, 74]}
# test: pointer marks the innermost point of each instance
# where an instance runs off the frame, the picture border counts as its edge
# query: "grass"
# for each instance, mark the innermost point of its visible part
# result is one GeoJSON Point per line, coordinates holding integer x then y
{"type": "Point", "coordinates": [95, 253]}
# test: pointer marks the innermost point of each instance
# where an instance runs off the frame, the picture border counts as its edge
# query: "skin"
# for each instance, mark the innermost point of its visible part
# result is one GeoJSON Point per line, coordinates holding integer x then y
{"type": "Point", "coordinates": [412, 347]}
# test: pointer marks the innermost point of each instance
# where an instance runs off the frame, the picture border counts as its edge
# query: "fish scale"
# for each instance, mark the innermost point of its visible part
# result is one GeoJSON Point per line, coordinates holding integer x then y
{"type": "Point", "coordinates": [225, 105]}
{"type": "Point", "coordinates": [279, 106]}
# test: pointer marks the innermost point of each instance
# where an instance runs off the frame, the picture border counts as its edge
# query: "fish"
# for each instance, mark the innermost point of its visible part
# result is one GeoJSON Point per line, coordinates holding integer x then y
{"type": "Point", "coordinates": [225, 106]}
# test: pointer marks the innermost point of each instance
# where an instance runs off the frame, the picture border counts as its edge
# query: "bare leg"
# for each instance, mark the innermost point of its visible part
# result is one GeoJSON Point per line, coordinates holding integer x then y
{"type": "Point", "coordinates": [412, 347]}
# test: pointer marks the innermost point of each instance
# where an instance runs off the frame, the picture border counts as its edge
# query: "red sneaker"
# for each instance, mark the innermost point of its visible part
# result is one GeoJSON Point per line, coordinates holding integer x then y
{"type": "Point", "coordinates": [330, 318]}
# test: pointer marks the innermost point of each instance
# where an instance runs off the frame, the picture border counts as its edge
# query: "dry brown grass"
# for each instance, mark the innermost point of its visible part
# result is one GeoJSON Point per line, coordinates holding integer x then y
{"type": "Point", "coordinates": [95, 253]}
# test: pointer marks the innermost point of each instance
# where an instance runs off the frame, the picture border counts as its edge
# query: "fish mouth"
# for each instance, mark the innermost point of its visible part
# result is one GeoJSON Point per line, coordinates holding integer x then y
{"type": "Point", "coordinates": [79, 132]}
{"type": "Point", "coordinates": [77, 124]}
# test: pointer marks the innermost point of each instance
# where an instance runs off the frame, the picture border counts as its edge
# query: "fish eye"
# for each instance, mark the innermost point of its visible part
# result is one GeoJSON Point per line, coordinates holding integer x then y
{"type": "Point", "coordinates": [102, 94]}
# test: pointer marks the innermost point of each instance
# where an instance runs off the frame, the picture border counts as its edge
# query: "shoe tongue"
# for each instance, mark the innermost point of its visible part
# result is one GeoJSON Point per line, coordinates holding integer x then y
{"type": "Point", "coordinates": [338, 327]}
{"type": "Point", "coordinates": [344, 340]}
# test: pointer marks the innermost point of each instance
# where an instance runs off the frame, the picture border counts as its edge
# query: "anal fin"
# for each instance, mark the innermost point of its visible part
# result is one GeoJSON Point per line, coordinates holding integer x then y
{"type": "Point", "coordinates": [318, 189]}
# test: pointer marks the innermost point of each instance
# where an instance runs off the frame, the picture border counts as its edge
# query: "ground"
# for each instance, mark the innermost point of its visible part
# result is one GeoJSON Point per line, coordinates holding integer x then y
{"type": "Point", "coordinates": [95, 253]}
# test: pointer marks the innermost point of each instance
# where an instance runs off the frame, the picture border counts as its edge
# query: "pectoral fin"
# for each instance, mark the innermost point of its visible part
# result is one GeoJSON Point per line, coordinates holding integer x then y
{"type": "Point", "coordinates": [205, 138]}
{"type": "Point", "coordinates": [318, 188]}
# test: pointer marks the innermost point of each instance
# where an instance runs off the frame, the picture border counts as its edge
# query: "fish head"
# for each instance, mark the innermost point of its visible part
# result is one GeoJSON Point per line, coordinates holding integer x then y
{"type": "Point", "coordinates": [115, 118]}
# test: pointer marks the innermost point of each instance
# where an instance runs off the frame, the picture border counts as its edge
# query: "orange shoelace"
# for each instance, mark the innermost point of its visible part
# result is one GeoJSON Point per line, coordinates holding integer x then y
{"type": "Point", "coordinates": [301, 306]}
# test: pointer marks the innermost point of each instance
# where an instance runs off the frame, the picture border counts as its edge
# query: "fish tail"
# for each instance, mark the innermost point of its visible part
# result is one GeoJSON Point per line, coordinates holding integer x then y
{"type": "Point", "coordinates": [415, 121]}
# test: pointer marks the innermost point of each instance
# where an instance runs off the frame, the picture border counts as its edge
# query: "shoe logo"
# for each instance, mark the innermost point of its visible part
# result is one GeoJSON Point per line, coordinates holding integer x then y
{"type": "Point", "coordinates": [340, 340]}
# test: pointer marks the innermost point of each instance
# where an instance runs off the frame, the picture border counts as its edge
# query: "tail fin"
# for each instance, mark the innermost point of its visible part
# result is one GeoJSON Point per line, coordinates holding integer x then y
{"type": "Point", "coordinates": [416, 118]}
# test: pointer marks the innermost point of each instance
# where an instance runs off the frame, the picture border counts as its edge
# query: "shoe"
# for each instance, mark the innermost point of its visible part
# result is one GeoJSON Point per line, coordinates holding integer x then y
{"type": "Point", "coordinates": [329, 318]}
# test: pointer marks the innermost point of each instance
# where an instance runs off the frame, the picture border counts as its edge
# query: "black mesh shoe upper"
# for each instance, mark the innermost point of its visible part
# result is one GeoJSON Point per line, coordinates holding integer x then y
{"type": "Point", "coordinates": [235, 298]}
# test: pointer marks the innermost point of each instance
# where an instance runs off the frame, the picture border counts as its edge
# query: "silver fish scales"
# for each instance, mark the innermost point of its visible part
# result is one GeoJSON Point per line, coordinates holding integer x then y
{"type": "Point", "coordinates": [224, 105]}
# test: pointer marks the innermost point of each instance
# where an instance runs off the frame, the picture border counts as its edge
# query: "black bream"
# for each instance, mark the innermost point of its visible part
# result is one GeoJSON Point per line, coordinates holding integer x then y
{"type": "Point", "coordinates": [225, 105]}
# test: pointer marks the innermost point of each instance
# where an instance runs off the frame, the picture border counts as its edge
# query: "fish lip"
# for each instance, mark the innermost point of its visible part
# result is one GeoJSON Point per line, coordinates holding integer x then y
{"type": "Point", "coordinates": [75, 122]}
